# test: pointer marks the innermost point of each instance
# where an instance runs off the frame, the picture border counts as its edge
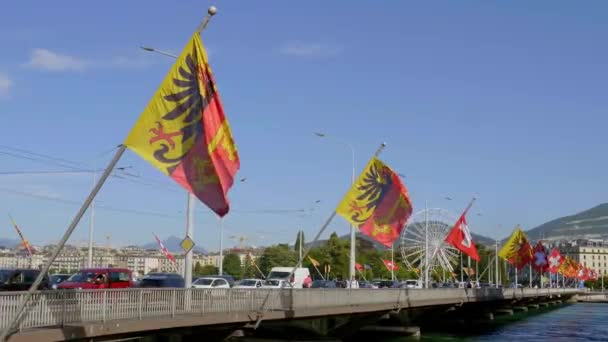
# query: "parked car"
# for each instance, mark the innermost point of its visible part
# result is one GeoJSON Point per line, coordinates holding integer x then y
{"type": "Point", "coordinates": [210, 282]}
{"type": "Point", "coordinates": [20, 279]}
{"type": "Point", "coordinates": [275, 283]}
{"type": "Point", "coordinates": [99, 278]}
{"type": "Point", "coordinates": [389, 284]}
{"type": "Point", "coordinates": [412, 284]}
{"type": "Point", "coordinates": [57, 279]}
{"type": "Point", "coordinates": [323, 284]}
{"type": "Point", "coordinates": [227, 277]}
{"type": "Point", "coordinates": [162, 280]}
{"type": "Point", "coordinates": [248, 284]}
{"type": "Point", "coordinates": [367, 285]}
{"type": "Point", "coordinates": [297, 278]}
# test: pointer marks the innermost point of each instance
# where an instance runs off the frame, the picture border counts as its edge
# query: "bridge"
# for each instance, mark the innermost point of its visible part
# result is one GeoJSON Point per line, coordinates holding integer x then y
{"type": "Point", "coordinates": [107, 314]}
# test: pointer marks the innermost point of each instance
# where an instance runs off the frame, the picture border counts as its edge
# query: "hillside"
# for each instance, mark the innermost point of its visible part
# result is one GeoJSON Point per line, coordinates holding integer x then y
{"type": "Point", "coordinates": [588, 224]}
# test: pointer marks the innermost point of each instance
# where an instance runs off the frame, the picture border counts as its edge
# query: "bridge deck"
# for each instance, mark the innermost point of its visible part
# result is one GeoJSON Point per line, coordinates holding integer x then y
{"type": "Point", "coordinates": [60, 315]}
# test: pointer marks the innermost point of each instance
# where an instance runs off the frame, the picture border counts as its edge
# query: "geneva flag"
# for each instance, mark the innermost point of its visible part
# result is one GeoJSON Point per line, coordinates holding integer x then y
{"type": "Point", "coordinates": [377, 203]}
{"type": "Point", "coordinates": [517, 251]}
{"type": "Point", "coordinates": [460, 237]}
{"type": "Point", "coordinates": [183, 131]}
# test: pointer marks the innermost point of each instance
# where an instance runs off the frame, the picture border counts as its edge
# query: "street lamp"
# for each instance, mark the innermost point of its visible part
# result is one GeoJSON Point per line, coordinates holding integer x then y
{"type": "Point", "coordinates": [151, 49]}
{"type": "Point", "coordinates": [351, 268]}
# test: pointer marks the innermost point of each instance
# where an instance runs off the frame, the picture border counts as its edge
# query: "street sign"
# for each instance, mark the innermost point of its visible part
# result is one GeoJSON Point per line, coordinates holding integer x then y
{"type": "Point", "coordinates": [187, 244]}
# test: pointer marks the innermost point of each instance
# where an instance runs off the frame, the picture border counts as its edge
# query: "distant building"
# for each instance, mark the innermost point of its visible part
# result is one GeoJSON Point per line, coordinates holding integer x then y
{"type": "Point", "coordinates": [589, 253]}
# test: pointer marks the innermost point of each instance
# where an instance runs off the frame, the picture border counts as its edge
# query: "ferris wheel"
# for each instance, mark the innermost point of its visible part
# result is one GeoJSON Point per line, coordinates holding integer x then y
{"type": "Point", "coordinates": [437, 222]}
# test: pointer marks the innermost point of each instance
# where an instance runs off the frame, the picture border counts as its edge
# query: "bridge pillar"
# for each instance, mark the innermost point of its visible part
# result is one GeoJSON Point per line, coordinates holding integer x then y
{"type": "Point", "coordinates": [533, 306]}
{"type": "Point", "coordinates": [504, 311]}
{"type": "Point", "coordinates": [520, 308]}
{"type": "Point", "coordinates": [543, 305]}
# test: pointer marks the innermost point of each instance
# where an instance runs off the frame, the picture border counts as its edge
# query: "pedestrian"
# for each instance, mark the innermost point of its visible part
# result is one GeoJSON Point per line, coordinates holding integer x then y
{"type": "Point", "coordinates": [354, 284]}
{"type": "Point", "coordinates": [307, 282]}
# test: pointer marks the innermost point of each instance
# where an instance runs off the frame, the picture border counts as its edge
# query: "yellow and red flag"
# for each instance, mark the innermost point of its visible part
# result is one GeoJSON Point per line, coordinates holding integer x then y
{"type": "Point", "coordinates": [517, 251]}
{"type": "Point", "coordinates": [314, 262]}
{"type": "Point", "coordinates": [377, 203]}
{"type": "Point", "coordinates": [183, 131]}
{"type": "Point", "coordinates": [24, 242]}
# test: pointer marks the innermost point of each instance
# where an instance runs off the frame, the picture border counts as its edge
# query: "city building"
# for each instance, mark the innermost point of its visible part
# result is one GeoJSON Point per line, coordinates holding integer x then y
{"type": "Point", "coordinates": [589, 253]}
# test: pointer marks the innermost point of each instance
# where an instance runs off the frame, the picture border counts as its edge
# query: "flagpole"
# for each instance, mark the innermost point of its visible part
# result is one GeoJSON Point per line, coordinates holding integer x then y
{"type": "Point", "coordinates": [530, 280]}
{"type": "Point", "coordinates": [393, 262]}
{"type": "Point", "coordinates": [469, 268]}
{"type": "Point", "coordinates": [91, 227]}
{"type": "Point", "coordinates": [221, 265]}
{"type": "Point", "coordinates": [45, 269]}
{"type": "Point", "coordinates": [426, 244]}
{"type": "Point", "coordinates": [190, 206]}
{"type": "Point", "coordinates": [516, 271]}
{"type": "Point", "coordinates": [461, 270]}
{"type": "Point", "coordinates": [496, 264]}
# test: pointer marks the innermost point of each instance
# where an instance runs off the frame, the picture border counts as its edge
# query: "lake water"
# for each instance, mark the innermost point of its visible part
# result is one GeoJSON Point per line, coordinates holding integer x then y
{"type": "Point", "coordinates": [577, 322]}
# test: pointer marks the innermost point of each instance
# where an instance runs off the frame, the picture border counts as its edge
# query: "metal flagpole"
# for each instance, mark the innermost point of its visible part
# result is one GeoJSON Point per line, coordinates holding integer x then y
{"type": "Point", "coordinates": [496, 263]}
{"type": "Point", "coordinates": [477, 271]}
{"type": "Point", "coordinates": [516, 271]}
{"type": "Point", "coordinates": [530, 280]}
{"type": "Point", "coordinates": [45, 269]}
{"type": "Point", "coordinates": [221, 268]}
{"type": "Point", "coordinates": [461, 270]}
{"type": "Point", "coordinates": [307, 250]}
{"type": "Point", "coordinates": [469, 268]}
{"type": "Point", "coordinates": [191, 199]}
{"type": "Point", "coordinates": [426, 244]}
{"type": "Point", "coordinates": [91, 227]}
{"type": "Point", "coordinates": [393, 262]}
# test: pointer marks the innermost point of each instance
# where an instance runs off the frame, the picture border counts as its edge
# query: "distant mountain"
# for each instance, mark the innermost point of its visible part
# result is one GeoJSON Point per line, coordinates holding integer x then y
{"type": "Point", "coordinates": [173, 245]}
{"type": "Point", "coordinates": [589, 224]}
{"type": "Point", "coordinates": [9, 243]}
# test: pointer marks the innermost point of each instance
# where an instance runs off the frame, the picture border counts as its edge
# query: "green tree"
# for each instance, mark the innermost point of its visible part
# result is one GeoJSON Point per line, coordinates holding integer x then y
{"type": "Point", "coordinates": [198, 268]}
{"type": "Point", "coordinates": [248, 269]}
{"type": "Point", "coordinates": [206, 270]}
{"type": "Point", "coordinates": [232, 265]}
{"type": "Point", "coordinates": [277, 256]}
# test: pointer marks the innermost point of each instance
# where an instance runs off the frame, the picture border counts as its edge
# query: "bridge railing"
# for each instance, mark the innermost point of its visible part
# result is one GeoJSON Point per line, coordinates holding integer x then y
{"type": "Point", "coordinates": [56, 308]}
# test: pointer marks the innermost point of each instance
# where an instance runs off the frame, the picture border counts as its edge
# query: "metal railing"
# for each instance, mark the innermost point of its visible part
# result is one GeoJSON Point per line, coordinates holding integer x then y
{"type": "Point", "coordinates": [57, 308]}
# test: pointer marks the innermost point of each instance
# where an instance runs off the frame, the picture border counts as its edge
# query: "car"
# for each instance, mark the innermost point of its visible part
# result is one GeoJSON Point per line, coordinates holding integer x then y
{"type": "Point", "coordinates": [323, 284]}
{"type": "Point", "coordinates": [367, 285]}
{"type": "Point", "coordinates": [98, 278]}
{"type": "Point", "coordinates": [297, 278]}
{"type": "Point", "coordinates": [57, 279]}
{"type": "Point", "coordinates": [227, 277]}
{"type": "Point", "coordinates": [388, 284]}
{"type": "Point", "coordinates": [210, 282]}
{"type": "Point", "coordinates": [158, 280]}
{"type": "Point", "coordinates": [248, 284]}
{"type": "Point", "coordinates": [412, 284]}
{"type": "Point", "coordinates": [275, 283]}
{"type": "Point", "coordinates": [20, 279]}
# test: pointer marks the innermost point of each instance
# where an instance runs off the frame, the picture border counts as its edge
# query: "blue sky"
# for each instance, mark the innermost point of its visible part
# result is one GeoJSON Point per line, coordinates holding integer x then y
{"type": "Point", "coordinates": [505, 100]}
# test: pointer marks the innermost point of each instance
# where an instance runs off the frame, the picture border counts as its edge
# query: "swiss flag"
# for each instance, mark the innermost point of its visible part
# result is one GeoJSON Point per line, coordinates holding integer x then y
{"type": "Point", "coordinates": [460, 237]}
{"type": "Point", "coordinates": [165, 250]}
{"type": "Point", "coordinates": [391, 266]}
{"type": "Point", "coordinates": [540, 258]}
{"type": "Point", "coordinates": [555, 260]}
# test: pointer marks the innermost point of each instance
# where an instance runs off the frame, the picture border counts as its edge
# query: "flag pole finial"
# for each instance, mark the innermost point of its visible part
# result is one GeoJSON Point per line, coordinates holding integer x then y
{"type": "Point", "coordinates": [211, 11]}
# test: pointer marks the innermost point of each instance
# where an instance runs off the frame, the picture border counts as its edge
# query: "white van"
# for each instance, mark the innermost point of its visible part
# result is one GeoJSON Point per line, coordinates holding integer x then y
{"type": "Point", "coordinates": [297, 279]}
